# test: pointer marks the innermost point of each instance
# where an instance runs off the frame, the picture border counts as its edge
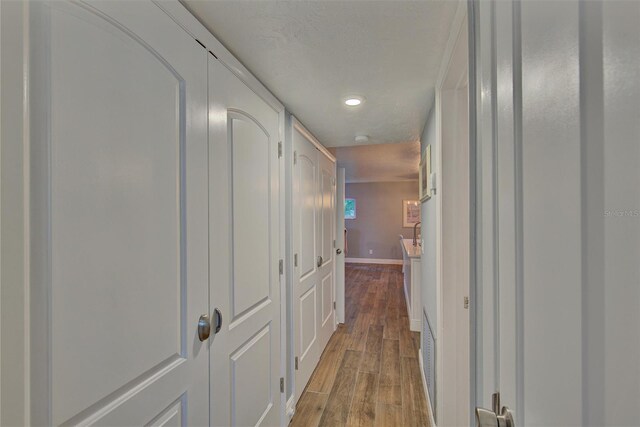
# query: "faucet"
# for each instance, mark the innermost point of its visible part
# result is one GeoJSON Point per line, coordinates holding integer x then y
{"type": "Point", "coordinates": [415, 234]}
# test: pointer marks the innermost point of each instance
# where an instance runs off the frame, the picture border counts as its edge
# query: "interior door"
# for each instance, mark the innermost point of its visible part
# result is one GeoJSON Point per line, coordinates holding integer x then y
{"type": "Point", "coordinates": [306, 202]}
{"type": "Point", "coordinates": [340, 245]}
{"type": "Point", "coordinates": [244, 171]}
{"type": "Point", "coordinates": [558, 237]}
{"type": "Point", "coordinates": [118, 216]}
{"type": "Point", "coordinates": [327, 247]}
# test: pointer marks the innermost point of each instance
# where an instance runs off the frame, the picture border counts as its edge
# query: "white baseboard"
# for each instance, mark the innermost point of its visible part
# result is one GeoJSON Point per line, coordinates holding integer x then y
{"type": "Point", "coordinates": [426, 390]}
{"type": "Point", "coordinates": [291, 409]}
{"type": "Point", "coordinates": [373, 261]}
{"type": "Point", "coordinates": [415, 325]}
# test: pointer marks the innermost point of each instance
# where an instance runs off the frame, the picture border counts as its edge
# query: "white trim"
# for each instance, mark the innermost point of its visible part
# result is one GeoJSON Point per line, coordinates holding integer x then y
{"type": "Point", "coordinates": [432, 421]}
{"type": "Point", "coordinates": [188, 21]}
{"type": "Point", "coordinates": [456, 26]}
{"type": "Point", "coordinates": [15, 349]}
{"type": "Point", "coordinates": [284, 277]}
{"type": "Point", "coordinates": [291, 408]}
{"type": "Point", "coordinates": [373, 261]}
{"type": "Point", "coordinates": [297, 125]}
{"type": "Point", "coordinates": [447, 59]}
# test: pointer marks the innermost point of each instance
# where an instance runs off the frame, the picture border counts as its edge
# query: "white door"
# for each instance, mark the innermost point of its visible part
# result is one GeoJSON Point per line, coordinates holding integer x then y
{"type": "Point", "coordinates": [118, 234]}
{"type": "Point", "coordinates": [306, 202]}
{"type": "Point", "coordinates": [340, 242]}
{"type": "Point", "coordinates": [244, 230]}
{"type": "Point", "coordinates": [326, 248]}
{"type": "Point", "coordinates": [557, 301]}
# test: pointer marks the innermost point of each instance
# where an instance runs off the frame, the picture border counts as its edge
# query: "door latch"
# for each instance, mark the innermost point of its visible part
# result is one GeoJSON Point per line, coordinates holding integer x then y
{"type": "Point", "coordinates": [320, 260]}
{"type": "Point", "coordinates": [495, 417]}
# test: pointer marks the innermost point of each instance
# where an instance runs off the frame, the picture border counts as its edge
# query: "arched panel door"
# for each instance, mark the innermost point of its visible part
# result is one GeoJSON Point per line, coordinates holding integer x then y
{"type": "Point", "coordinates": [118, 216]}
{"type": "Point", "coordinates": [306, 292]}
{"type": "Point", "coordinates": [244, 230]}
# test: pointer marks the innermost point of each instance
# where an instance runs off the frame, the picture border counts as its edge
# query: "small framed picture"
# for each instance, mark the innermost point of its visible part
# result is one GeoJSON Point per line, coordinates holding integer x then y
{"type": "Point", "coordinates": [425, 175]}
{"type": "Point", "coordinates": [410, 213]}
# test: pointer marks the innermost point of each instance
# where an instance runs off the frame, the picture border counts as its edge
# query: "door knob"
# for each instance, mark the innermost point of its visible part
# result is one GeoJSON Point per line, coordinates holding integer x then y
{"type": "Point", "coordinates": [488, 418]}
{"type": "Point", "coordinates": [320, 261]}
{"type": "Point", "coordinates": [218, 320]}
{"type": "Point", "coordinates": [338, 251]}
{"type": "Point", "coordinates": [204, 327]}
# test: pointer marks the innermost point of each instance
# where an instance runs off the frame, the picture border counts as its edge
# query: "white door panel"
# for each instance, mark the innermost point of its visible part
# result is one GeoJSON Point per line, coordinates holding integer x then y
{"type": "Point", "coordinates": [313, 235]}
{"type": "Point", "coordinates": [245, 282]}
{"type": "Point", "coordinates": [306, 210]}
{"type": "Point", "coordinates": [327, 299]}
{"type": "Point", "coordinates": [558, 235]}
{"type": "Point", "coordinates": [306, 202]}
{"type": "Point", "coordinates": [326, 233]}
{"type": "Point", "coordinates": [119, 259]}
{"type": "Point", "coordinates": [340, 245]}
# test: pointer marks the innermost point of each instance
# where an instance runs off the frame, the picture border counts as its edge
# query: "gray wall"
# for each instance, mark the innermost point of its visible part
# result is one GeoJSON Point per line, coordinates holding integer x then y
{"type": "Point", "coordinates": [428, 259]}
{"type": "Point", "coordinates": [378, 218]}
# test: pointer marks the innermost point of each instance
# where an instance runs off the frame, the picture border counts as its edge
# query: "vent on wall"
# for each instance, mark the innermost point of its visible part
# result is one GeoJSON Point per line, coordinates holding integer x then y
{"type": "Point", "coordinates": [429, 361]}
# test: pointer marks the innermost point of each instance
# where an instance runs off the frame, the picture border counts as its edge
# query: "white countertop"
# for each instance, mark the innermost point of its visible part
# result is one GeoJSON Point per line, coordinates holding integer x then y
{"type": "Point", "coordinates": [410, 250]}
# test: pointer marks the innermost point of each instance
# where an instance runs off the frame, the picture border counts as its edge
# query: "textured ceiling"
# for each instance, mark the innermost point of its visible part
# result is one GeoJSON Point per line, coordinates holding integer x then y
{"type": "Point", "coordinates": [313, 54]}
{"type": "Point", "coordinates": [379, 163]}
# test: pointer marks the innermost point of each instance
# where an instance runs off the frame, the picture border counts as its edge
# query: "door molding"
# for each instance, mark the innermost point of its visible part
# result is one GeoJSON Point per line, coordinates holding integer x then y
{"type": "Point", "coordinates": [444, 83]}
{"type": "Point", "coordinates": [303, 130]}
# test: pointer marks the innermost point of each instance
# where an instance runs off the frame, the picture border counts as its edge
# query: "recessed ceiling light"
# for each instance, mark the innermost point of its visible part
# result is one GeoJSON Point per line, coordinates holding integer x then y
{"type": "Point", "coordinates": [353, 101]}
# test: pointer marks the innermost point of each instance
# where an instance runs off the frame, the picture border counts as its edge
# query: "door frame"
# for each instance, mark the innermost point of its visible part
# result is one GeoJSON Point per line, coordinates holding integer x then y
{"type": "Point", "coordinates": [442, 85]}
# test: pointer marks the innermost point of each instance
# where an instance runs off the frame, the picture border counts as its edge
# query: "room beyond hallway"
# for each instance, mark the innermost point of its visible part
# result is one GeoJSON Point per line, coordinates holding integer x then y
{"type": "Point", "coordinates": [369, 373]}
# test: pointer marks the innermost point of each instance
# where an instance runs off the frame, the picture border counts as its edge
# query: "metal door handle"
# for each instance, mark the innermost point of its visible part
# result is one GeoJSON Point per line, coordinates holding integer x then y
{"type": "Point", "coordinates": [320, 261]}
{"type": "Point", "coordinates": [218, 320]}
{"type": "Point", "coordinates": [488, 418]}
{"type": "Point", "coordinates": [204, 327]}
{"type": "Point", "coordinates": [338, 251]}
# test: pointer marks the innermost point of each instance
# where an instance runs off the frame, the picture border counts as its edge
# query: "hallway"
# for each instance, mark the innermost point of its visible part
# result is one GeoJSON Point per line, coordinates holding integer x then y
{"type": "Point", "coordinates": [369, 373]}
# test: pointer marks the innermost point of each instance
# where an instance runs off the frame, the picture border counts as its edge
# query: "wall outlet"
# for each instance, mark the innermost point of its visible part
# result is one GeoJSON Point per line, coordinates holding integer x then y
{"type": "Point", "coordinates": [370, 251]}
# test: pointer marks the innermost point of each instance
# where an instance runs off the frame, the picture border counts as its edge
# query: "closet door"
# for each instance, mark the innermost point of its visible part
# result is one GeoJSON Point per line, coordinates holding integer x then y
{"type": "Point", "coordinates": [306, 294]}
{"type": "Point", "coordinates": [118, 221]}
{"type": "Point", "coordinates": [326, 249]}
{"type": "Point", "coordinates": [244, 230]}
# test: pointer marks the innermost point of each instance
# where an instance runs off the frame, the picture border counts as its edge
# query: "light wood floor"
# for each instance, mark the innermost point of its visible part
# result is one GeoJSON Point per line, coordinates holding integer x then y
{"type": "Point", "coordinates": [369, 374]}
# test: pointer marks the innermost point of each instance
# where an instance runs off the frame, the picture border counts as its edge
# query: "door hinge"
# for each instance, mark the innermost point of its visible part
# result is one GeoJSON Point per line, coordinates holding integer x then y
{"type": "Point", "coordinates": [295, 260]}
{"type": "Point", "coordinates": [466, 302]}
{"type": "Point", "coordinates": [281, 385]}
{"type": "Point", "coordinates": [295, 157]}
{"type": "Point", "coordinates": [334, 243]}
{"type": "Point", "coordinates": [296, 362]}
{"type": "Point", "coordinates": [281, 267]}
{"type": "Point", "coordinates": [279, 149]}
{"type": "Point", "coordinates": [200, 43]}
{"type": "Point", "coordinates": [334, 305]}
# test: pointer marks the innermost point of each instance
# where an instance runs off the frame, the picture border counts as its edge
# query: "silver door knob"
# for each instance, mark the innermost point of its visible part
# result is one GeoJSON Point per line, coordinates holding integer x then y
{"type": "Point", "coordinates": [338, 251]}
{"type": "Point", "coordinates": [204, 327]}
{"type": "Point", "coordinates": [320, 261]}
{"type": "Point", "coordinates": [488, 418]}
{"type": "Point", "coordinates": [218, 320]}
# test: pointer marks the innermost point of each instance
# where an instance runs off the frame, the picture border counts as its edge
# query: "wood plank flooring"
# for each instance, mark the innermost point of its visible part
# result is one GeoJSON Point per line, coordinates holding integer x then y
{"type": "Point", "coordinates": [369, 374]}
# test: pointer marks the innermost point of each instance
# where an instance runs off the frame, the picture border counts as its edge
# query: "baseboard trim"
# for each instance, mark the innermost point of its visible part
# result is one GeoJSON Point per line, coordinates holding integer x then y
{"type": "Point", "coordinates": [291, 408]}
{"type": "Point", "coordinates": [414, 325]}
{"type": "Point", "coordinates": [373, 261]}
{"type": "Point", "coordinates": [426, 390]}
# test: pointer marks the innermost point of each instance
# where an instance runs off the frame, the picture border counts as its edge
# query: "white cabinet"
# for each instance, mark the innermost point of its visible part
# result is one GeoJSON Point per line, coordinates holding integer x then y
{"type": "Point", "coordinates": [411, 269]}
